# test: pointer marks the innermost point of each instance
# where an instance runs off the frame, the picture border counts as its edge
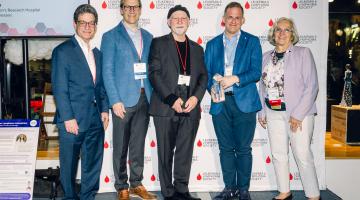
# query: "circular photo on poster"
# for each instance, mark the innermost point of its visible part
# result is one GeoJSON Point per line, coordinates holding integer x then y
{"type": "Point", "coordinates": [21, 138]}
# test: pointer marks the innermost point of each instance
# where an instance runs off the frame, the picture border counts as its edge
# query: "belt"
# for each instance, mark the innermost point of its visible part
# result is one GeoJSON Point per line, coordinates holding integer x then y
{"type": "Point", "coordinates": [142, 90]}
{"type": "Point", "coordinates": [229, 93]}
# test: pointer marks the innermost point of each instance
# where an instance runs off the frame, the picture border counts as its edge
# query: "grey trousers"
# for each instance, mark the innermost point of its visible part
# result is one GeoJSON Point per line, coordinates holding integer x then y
{"type": "Point", "coordinates": [129, 137]}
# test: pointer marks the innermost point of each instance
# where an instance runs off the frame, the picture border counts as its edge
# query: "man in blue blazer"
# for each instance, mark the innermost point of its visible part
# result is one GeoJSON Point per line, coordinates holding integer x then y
{"type": "Point", "coordinates": [81, 106]}
{"type": "Point", "coordinates": [126, 50]}
{"type": "Point", "coordinates": [233, 59]}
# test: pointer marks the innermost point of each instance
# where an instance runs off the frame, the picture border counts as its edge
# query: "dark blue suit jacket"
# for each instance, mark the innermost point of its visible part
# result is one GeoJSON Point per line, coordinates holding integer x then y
{"type": "Point", "coordinates": [247, 66]}
{"type": "Point", "coordinates": [73, 87]}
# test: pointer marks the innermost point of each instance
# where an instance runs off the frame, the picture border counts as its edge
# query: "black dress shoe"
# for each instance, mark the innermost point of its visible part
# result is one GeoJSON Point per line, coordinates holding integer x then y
{"type": "Point", "coordinates": [244, 195]}
{"type": "Point", "coordinates": [287, 198]}
{"type": "Point", "coordinates": [227, 194]}
{"type": "Point", "coordinates": [185, 196]}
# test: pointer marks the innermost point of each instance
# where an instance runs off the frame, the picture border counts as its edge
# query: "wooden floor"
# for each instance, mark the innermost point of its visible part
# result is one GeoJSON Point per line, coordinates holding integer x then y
{"type": "Point", "coordinates": [335, 149]}
{"type": "Point", "coordinates": [49, 149]}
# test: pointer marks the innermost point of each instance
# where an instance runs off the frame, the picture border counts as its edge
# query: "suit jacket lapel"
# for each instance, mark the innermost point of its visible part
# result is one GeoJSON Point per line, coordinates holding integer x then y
{"type": "Point", "coordinates": [80, 55]}
{"type": "Point", "coordinates": [173, 52]}
{"type": "Point", "coordinates": [221, 50]}
{"type": "Point", "coordinates": [98, 64]}
{"type": "Point", "coordinates": [239, 50]}
{"type": "Point", "coordinates": [124, 33]}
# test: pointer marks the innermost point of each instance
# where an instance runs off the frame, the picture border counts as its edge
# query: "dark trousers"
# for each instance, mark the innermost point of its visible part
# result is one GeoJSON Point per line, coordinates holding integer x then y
{"type": "Point", "coordinates": [175, 141]}
{"type": "Point", "coordinates": [90, 145]}
{"type": "Point", "coordinates": [129, 136]}
{"type": "Point", "coordinates": [235, 131]}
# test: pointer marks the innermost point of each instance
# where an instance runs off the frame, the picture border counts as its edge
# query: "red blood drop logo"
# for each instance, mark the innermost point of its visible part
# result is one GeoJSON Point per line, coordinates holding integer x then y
{"type": "Point", "coordinates": [247, 5]}
{"type": "Point", "coordinates": [268, 160]}
{"type": "Point", "coordinates": [198, 177]}
{"type": "Point", "coordinates": [152, 178]}
{"type": "Point", "coordinates": [199, 41]}
{"type": "Point", "coordinates": [271, 23]}
{"type": "Point", "coordinates": [152, 144]}
{"type": "Point", "coordinates": [104, 5]}
{"type": "Point", "coordinates": [106, 145]}
{"type": "Point", "coordinates": [291, 177]}
{"type": "Point", "coordinates": [107, 179]}
{"type": "Point", "coordinates": [152, 5]}
{"type": "Point", "coordinates": [199, 5]}
{"type": "Point", "coordinates": [294, 5]}
{"type": "Point", "coordinates": [222, 23]}
{"type": "Point", "coordinates": [199, 143]}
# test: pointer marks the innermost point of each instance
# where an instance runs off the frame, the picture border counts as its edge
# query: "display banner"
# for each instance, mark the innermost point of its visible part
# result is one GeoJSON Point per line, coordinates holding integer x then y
{"type": "Point", "coordinates": [311, 19]}
{"type": "Point", "coordinates": [18, 148]}
{"type": "Point", "coordinates": [37, 17]}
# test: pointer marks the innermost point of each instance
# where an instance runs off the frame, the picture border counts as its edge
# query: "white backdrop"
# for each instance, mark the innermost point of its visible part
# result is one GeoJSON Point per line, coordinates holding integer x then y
{"type": "Point", "coordinates": [311, 18]}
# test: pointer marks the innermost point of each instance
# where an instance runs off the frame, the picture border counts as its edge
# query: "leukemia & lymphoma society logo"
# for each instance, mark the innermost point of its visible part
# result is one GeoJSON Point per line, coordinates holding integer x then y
{"type": "Point", "coordinates": [304, 4]}
{"type": "Point", "coordinates": [259, 142]}
{"type": "Point", "coordinates": [110, 4]}
{"type": "Point", "coordinates": [161, 4]}
{"type": "Point", "coordinates": [143, 22]}
{"type": "Point", "coordinates": [256, 4]}
{"type": "Point", "coordinates": [208, 176]}
{"type": "Point", "coordinates": [307, 39]}
{"type": "Point", "coordinates": [209, 4]}
{"type": "Point", "coordinates": [202, 41]}
{"type": "Point", "coordinates": [258, 176]}
{"type": "Point", "coordinates": [207, 143]}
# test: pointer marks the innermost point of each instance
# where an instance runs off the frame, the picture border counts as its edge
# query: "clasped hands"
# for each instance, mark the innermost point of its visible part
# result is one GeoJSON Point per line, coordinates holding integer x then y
{"type": "Point", "coordinates": [225, 82]}
{"type": "Point", "coordinates": [190, 104]}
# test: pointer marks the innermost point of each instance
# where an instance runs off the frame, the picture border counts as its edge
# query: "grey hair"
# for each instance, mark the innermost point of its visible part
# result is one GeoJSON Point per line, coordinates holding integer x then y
{"type": "Point", "coordinates": [85, 8]}
{"type": "Point", "coordinates": [294, 35]}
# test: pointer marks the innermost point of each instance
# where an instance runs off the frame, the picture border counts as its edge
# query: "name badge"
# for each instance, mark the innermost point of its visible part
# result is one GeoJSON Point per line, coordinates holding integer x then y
{"type": "Point", "coordinates": [273, 94]}
{"type": "Point", "coordinates": [184, 80]}
{"type": "Point", "coordinates": [140, 71]}
{"type": "Point", "coordinates": [228, 70]}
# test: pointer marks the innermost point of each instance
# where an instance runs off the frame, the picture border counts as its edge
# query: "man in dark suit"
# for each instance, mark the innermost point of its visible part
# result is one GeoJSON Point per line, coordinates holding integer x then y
{"type": "Point", "coordinates": [81, 106]}
{"type": "Point", "coordinates": [178, 76]}
{"type": "Point", "coordinates": [233, 59]}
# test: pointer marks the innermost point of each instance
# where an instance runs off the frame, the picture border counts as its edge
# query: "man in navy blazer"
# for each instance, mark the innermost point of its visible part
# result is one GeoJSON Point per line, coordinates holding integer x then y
{"type": "Point", "coordinates": [126, 49]}
{"type": "Point", "coordinates": [81, 106]}
{"type": "Point", "coordinates": [233, 59]}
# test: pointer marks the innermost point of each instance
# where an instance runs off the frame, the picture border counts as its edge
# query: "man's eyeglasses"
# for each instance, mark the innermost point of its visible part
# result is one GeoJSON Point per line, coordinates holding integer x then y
{"type": "Point", "coordinates": [279, 30]}
{"type": "Point", "coordinates": [84, 23]}
{"type": "Point", "coordinates": [134, 8]}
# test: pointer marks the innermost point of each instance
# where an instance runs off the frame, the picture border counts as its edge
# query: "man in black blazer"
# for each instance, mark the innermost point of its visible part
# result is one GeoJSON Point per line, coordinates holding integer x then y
{"type": "Point", "coordinates": [179, 78]}
{"type": "Point", "coordinates": [81, 106]}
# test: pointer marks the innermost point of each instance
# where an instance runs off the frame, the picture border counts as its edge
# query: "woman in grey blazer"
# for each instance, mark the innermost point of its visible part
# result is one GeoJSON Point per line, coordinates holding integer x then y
{"type": "Point", "coordinates": [288, 90]}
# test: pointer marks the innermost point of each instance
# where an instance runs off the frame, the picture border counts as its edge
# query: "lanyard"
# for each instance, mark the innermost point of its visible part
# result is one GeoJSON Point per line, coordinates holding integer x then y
{"type": "Point", "coordinates": [183, 63]}
{"type": "Point", "coordinates": [141, 47]}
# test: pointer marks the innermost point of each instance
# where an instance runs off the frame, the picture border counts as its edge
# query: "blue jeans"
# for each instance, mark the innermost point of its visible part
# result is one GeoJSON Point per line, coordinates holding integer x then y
{"type": "Point", "coordinates": [235, 131]}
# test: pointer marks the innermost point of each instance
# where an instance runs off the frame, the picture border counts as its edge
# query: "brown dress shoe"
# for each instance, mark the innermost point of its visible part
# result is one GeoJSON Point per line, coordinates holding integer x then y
{"type": "Point", "coordinates": [123, 194]}
{"type": "Point", "coordinates": [141, 192]}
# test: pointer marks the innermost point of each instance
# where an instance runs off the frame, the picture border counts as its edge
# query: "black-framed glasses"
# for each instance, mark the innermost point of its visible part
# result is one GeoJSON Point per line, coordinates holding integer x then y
{"type": "Point", "coordinates": [134, 8]}
{"type": "Point", "coordinates": [82, 23]}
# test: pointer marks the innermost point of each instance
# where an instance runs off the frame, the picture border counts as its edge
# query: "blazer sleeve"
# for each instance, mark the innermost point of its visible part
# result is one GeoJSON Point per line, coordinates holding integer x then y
{"type": "Point", "coordinates": [208, 64]}
{"type": "Point", "coordinates": [60, 84]}
{"type": "Point", "coordinates": [108, 49]}
{"type": "Point", "coordinates": [254, 73]}
{"type": "Point", "coordinates": [310, 80]}
{"type": "Point", "coordinates": [203, 78]}
{"type": "Point", "coordinates": [155, 68]}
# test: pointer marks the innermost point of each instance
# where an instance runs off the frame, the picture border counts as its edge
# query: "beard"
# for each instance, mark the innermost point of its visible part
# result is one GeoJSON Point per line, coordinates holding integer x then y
{"type": "Point", "coordinates": [179, 31]}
